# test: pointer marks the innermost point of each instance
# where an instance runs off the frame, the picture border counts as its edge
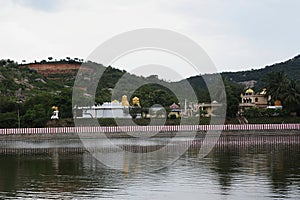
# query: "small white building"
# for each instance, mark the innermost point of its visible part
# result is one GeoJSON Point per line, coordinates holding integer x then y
{"type": "Point", "coordinates": [113, 109]}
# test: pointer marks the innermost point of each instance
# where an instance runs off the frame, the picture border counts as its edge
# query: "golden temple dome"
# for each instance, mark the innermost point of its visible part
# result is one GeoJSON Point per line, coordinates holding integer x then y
{"type": "Point", "coordinates": [249, 91]}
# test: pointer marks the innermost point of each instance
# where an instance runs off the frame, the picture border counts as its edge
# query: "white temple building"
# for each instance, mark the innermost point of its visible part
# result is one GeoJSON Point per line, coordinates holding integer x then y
{"type": "Point", "coordinates": [106, 110]}
{"type": "Point", "coordinates": [114, 109]}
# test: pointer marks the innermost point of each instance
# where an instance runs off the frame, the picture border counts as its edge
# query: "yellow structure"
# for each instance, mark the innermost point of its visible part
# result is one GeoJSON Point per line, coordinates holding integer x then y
{"type": "Point", "coordinates": [125, 101]}
{"type": "Point", "coordinates": [54, 108]}
{"type": "Point", "coordinates": [136, 101]}
{"type": "Point", "coordinates": [249, 92]}
{"type": "Point", "coordinates": [250, 99]}
{"type": "Point", "coordinates": [175, 114]}
{"type": "Point", "coordinates": [55, 112]}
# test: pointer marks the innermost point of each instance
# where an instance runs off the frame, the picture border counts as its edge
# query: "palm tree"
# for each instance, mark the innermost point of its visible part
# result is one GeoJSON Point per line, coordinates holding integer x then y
{"type": "Point", "coordinates": [283, 89]}
{"type": "Point", "coordinates": [276, 84]}
{"type": "Point", "coordinates": [291, 96]}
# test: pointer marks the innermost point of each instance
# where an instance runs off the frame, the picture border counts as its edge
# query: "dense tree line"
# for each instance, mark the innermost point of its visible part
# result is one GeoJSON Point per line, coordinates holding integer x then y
{"type": "Point", "coordinates": [34, 112]}
{"type": "Point", "coordinates": [152, 94]}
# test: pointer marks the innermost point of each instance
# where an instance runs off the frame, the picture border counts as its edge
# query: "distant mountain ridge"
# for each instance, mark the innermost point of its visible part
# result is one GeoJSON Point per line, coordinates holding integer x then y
{"type": "Point", "coordinates": [291, 67]}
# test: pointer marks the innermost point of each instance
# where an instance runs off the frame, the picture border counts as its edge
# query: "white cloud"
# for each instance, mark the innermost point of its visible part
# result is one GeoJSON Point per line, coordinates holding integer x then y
{"type": "Point", "coordinates": [234, 33]}
{"type": "Point", "coordinates": [43, 5]}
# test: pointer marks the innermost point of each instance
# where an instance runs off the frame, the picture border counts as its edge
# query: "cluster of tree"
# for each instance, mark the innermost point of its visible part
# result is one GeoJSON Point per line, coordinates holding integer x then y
{"type": "Point", "coordinates": [152, 94]}
{"type": "Point", "coordinates": [258, 112]}
{"type": "Point", "coordinates": [35, 111]}
{"type": "Point", "coordinates": [8, 112]}
{"type": "Point", "coordinates": [280, 87]}
{"type": "Point", "coordinates": [233, 92]}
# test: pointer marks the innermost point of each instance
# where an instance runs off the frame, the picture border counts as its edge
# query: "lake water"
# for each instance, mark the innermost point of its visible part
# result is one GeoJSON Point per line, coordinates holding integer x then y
{"type": "Point", "coordinates": [63, 170]}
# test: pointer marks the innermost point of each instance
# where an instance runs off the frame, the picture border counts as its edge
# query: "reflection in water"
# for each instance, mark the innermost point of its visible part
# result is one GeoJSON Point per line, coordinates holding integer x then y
{"type": "Point", "coordinates": [264, 171]}
{"type": "Point", "coordinates": [276, 165]}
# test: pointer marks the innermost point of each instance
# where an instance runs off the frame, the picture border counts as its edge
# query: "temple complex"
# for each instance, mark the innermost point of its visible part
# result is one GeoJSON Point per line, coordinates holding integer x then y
{"type": "Point", "coordinates": [251, 99]}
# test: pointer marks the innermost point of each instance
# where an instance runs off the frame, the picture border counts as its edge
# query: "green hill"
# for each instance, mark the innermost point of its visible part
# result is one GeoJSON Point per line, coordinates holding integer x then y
{"type": "Point", "coordinates": [19, 83]}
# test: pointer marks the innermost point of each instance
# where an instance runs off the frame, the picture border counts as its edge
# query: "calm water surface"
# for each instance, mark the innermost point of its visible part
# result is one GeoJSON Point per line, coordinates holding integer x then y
{"type": "Point", "coordinates": [228, 172]}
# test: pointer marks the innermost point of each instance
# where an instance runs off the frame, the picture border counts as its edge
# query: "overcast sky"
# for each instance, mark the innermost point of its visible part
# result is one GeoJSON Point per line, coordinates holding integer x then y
{"type": "Point", "coordinates": [236, 34]}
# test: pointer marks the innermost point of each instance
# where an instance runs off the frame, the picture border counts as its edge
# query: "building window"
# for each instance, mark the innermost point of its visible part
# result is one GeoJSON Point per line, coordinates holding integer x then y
{"type": "Point", "coordinates": [256, 99]}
